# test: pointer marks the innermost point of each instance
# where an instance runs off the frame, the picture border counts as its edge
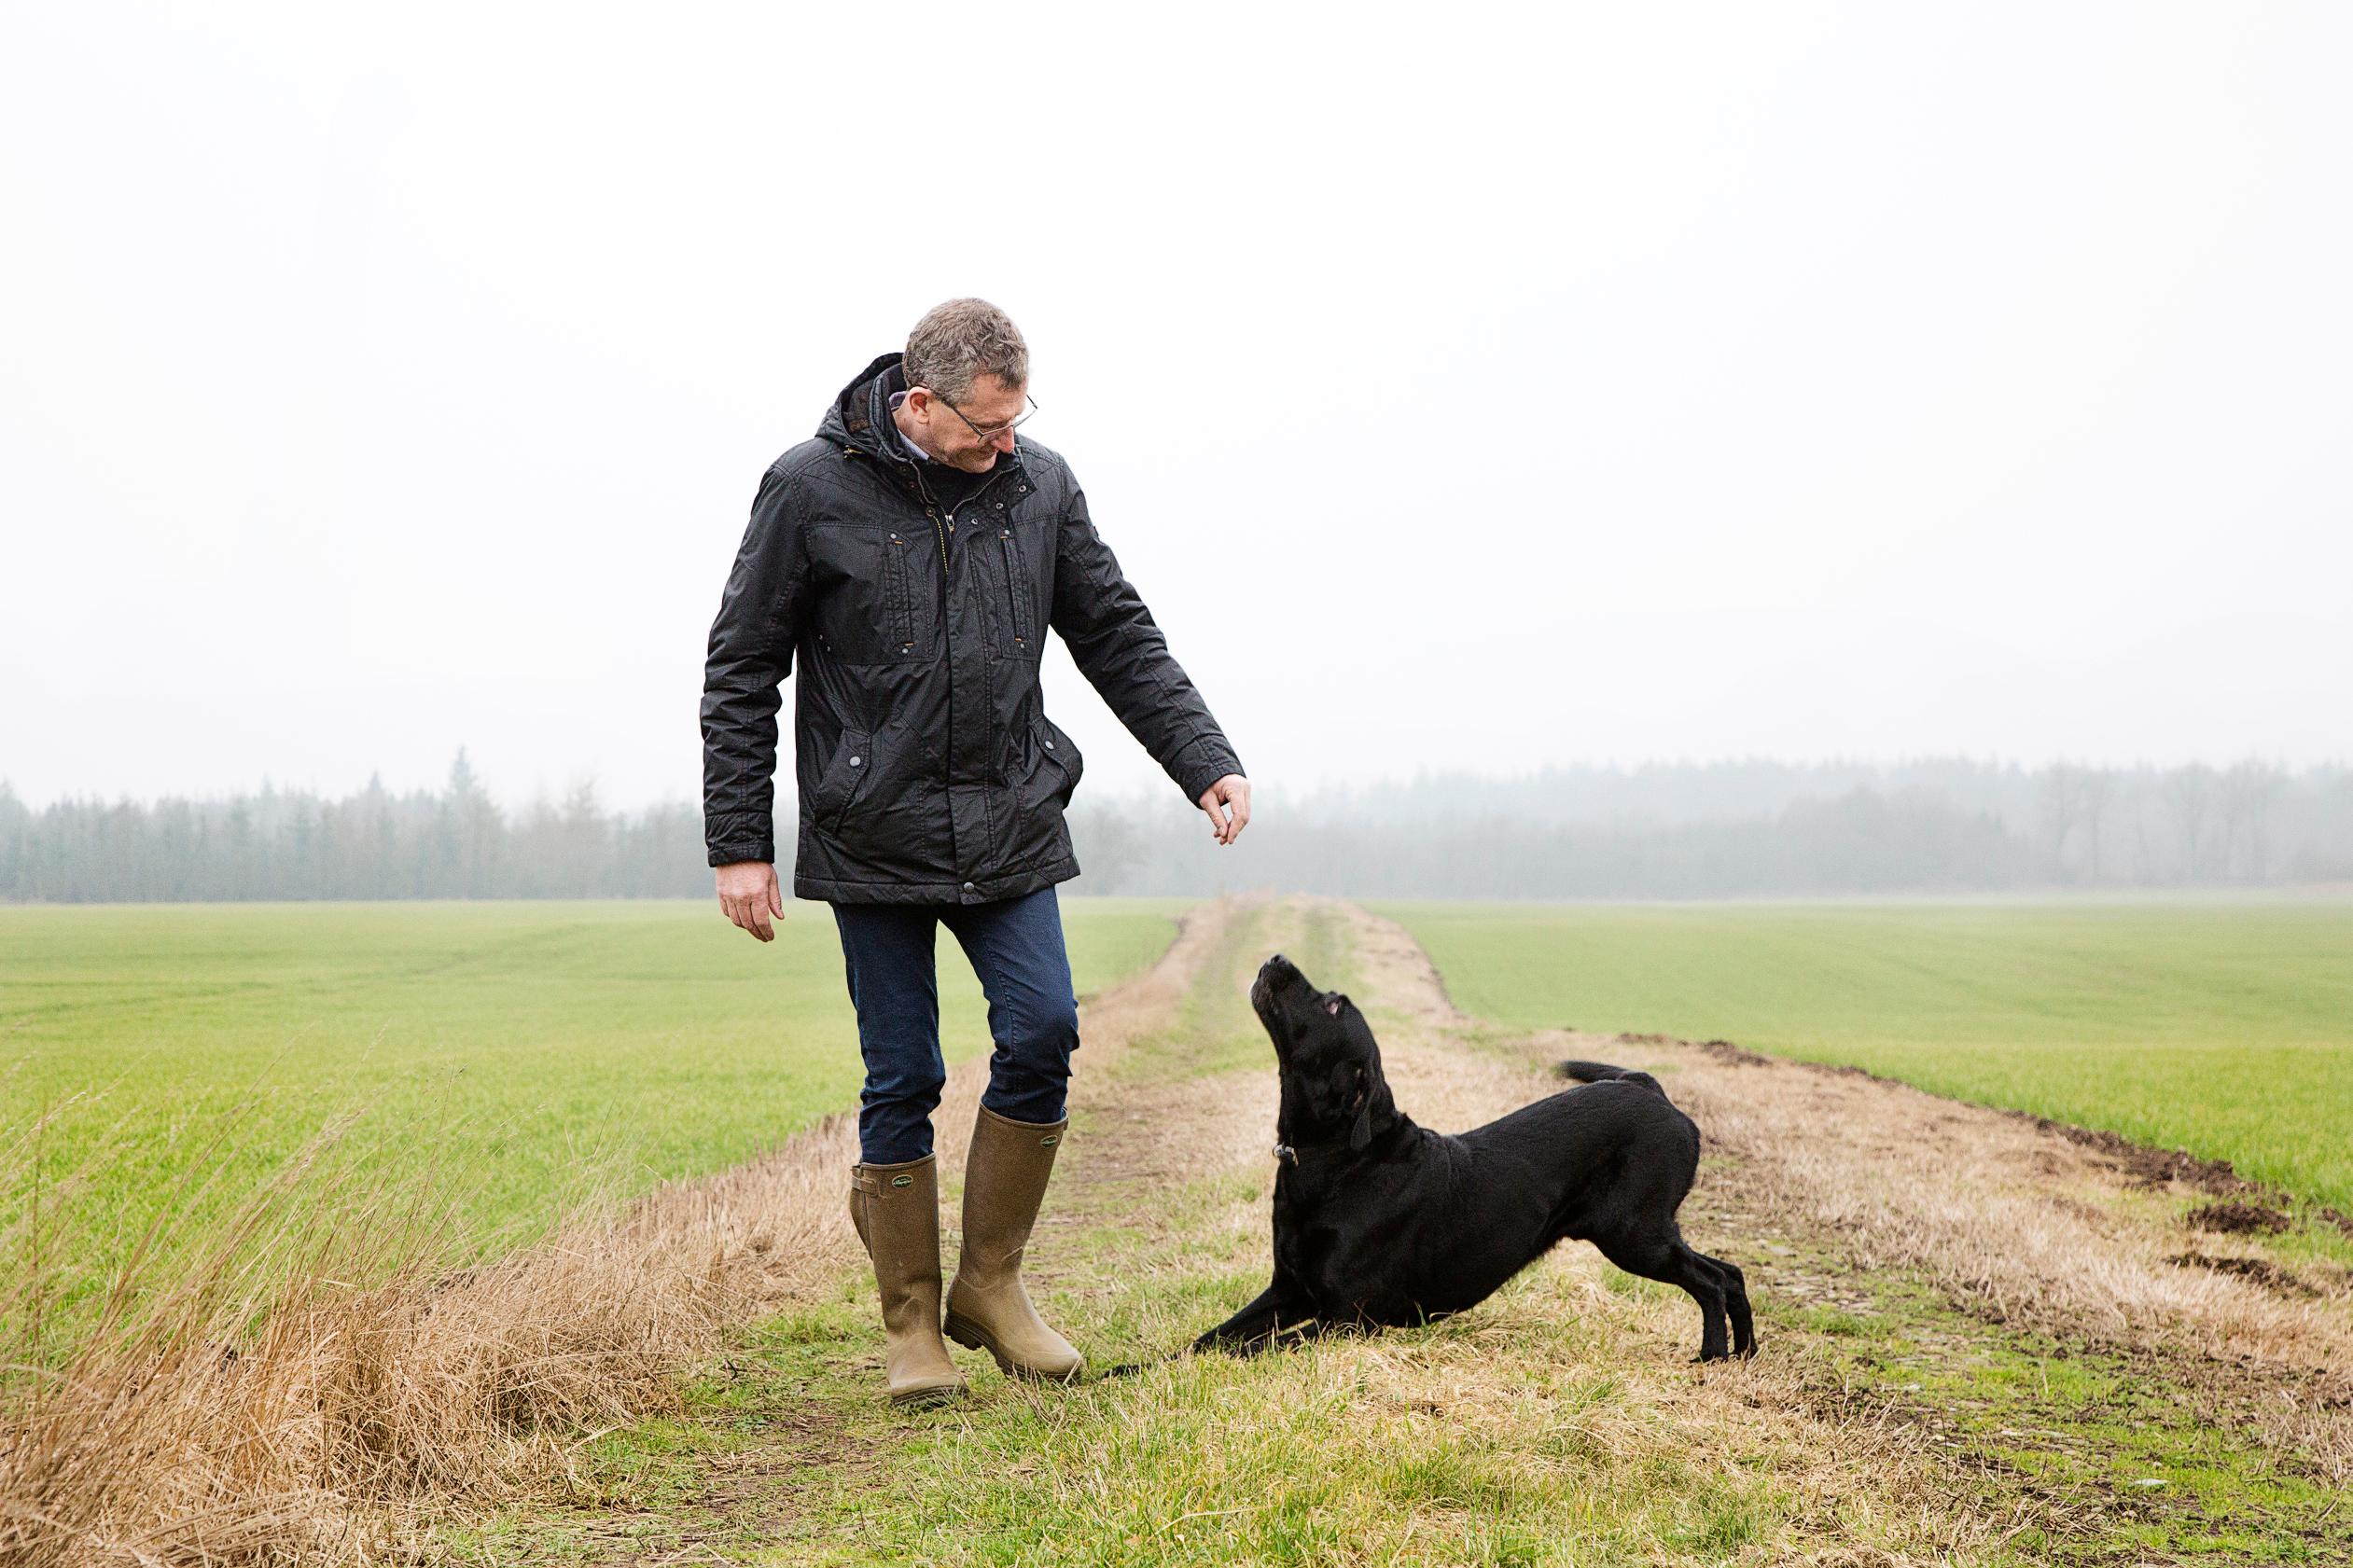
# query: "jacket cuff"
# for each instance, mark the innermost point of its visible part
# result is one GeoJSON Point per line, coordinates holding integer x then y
{"type": "Point", "coordinates": [733, 835]}
{"type": "Point", "coordinates": [1201, 763]}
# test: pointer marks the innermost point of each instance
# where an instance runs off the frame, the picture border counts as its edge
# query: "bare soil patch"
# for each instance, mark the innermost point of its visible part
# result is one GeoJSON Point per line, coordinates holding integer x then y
{"type": "Point", "coordinates": [2236, 1219]}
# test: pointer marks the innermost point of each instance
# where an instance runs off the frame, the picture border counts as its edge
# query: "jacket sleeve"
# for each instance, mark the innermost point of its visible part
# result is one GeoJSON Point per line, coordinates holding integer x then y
{"type": "Point", "coordinates": [1119, 647]}
{"type": "Point", "coordinates": [761, 618]}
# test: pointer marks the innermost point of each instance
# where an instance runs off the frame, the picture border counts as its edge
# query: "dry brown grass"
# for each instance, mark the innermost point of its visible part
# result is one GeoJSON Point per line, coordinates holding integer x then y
{"type": "Point", "coordinates": [260, 1410]}
{"type": "Point", "coordinates": [2015, 1219]}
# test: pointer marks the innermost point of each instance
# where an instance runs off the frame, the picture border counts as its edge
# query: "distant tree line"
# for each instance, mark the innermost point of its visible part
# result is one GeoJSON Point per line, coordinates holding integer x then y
{"type": "Point", "coordinates": [1658, 831]}
{"type": "Point", "coordinates": [456, 842]}
{"type": "Point", "coordinates": [1761, 828]}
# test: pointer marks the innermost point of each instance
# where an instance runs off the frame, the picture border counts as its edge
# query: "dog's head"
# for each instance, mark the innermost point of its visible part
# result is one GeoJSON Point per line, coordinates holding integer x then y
{"type": "Point", "coordinates": [1332, 1085]}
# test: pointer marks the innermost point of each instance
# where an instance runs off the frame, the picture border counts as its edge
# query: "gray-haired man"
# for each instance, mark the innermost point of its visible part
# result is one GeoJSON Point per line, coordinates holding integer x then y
{"type": "Point", "coordinates": [912, 555]}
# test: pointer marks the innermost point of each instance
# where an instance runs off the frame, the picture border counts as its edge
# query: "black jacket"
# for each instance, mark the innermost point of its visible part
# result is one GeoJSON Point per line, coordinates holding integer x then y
{"type": "Point", "coordinates": [928, 769]}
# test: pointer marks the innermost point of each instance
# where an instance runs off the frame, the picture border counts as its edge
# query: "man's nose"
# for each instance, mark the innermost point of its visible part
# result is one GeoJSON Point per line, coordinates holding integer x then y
{"type": "Point", "coordinates": [1003, 441]}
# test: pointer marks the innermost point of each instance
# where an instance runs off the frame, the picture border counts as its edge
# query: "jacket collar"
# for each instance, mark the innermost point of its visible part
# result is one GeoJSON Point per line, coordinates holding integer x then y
{"type": "Point", "coordinates": [860, 420]}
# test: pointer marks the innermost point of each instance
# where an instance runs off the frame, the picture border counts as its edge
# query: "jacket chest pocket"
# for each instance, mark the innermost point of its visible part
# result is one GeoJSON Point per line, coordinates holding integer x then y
{"type": "Point", "coordinates": [874, 589]}
{"type": "Point", "coordinates": [1020, 616]}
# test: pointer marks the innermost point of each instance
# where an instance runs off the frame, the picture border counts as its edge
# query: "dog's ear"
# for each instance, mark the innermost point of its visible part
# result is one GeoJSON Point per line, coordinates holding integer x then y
{"type": "Point", "coordinates": [1361, 1134]}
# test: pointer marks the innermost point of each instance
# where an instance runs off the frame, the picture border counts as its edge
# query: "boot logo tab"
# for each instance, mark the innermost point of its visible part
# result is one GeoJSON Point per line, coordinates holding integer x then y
{"type": "Point", "coordinates": [902, 1180]}
{"type": "Point", "coordinates": [1049, 1139]}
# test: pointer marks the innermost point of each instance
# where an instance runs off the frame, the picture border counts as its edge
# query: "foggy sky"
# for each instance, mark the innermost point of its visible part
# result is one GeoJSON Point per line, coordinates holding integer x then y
{"type": "Point", "coordinates": [1463, 387]}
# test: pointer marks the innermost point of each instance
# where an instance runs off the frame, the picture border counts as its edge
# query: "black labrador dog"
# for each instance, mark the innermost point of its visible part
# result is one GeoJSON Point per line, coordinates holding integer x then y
{"type": "Point", "coordinates": [1379, 1222]}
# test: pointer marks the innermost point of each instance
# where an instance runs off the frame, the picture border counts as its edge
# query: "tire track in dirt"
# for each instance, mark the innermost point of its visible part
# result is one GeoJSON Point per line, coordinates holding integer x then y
{"type": "Point", "coordinates": [1142, 1142]}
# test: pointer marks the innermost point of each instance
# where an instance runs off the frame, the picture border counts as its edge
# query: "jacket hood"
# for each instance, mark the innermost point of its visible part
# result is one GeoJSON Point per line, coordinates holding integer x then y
{"type": "Point", "coordinates": [859, 415]}
{"type": "Point", "coordinates": [859, 418]}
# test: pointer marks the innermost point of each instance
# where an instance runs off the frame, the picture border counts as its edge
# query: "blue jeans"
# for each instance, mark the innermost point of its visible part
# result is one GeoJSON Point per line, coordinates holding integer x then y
{"type": "Point", "coordinates": [1016, 949]}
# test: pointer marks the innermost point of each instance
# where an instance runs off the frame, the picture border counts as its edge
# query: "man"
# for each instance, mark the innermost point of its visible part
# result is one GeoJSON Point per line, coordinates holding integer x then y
{"type": "Point", "coordinates": [912, 555]}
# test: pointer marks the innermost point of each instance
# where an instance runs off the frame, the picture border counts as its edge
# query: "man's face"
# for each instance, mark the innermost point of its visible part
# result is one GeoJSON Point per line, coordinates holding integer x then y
{"type": "Point", "coordinates": [951, 440]}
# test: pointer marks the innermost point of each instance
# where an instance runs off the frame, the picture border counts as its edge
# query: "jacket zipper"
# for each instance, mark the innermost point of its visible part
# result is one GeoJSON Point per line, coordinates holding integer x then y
{"type": "Point", "coordinates": [931, 510]}
{"type": "Point", "coordinates": [1012, 589]}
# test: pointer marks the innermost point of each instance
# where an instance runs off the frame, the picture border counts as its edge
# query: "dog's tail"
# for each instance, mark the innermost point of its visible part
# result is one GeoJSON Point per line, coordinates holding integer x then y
{"type": "Point", "coordinates": [1601, 1071]}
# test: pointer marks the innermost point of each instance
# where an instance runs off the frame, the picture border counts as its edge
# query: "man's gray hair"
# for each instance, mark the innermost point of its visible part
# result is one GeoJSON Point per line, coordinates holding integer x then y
{"type": "Point", "coordinates": [957, 342]}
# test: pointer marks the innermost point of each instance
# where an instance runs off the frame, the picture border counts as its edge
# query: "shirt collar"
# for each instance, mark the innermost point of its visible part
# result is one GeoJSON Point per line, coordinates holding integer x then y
{"type": "Point", "coordinates": [913, 450]}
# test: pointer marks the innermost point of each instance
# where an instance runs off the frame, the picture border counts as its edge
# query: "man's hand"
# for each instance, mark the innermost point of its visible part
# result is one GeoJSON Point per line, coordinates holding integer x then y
{"type": "Point", "coordinates": [1233, 793]}
{"type": "Point", "coordinates": [749, 894]}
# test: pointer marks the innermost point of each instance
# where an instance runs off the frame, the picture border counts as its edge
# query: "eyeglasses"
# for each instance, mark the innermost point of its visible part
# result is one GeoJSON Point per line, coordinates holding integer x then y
{"type": "Point", "coordinates": [994, 431]}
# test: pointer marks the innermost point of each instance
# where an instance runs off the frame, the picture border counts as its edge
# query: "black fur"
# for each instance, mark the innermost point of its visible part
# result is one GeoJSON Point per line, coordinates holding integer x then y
{"type": "Point", "coordinates": [1379, 1222]}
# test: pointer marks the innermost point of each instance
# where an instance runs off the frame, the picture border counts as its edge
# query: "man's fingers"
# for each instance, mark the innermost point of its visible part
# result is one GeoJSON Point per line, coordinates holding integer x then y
{"type": "Point", "coordinates": [743, 912]}
{"type": "Point", "coordinates": [776, 899]}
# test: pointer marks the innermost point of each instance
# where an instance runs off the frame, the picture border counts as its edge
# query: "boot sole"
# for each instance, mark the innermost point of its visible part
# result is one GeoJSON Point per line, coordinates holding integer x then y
{"type": "Point", "coordinates": [965, 1332]}
{"type": "Point", "coordinates": [916, 1398]}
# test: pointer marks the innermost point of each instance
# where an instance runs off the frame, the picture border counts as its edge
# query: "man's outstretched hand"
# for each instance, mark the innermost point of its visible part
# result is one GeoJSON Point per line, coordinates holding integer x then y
{"type": "Point", "coordinates": [749, 894]}
{"type": "Point", "coordinates": [1228, 803]}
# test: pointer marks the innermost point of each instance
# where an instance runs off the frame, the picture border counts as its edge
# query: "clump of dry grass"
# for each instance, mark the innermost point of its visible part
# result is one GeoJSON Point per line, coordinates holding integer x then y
{"type": "Point", "coordinates": [335, 1358]}
{"type": "Point", "coordinates": [332, 1354]}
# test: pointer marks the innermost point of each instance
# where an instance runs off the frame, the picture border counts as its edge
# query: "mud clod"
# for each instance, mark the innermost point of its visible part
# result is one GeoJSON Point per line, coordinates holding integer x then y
{"type": "Point", "coordinates": [2146, 1166]}
{"type": "Point", "coordinates": [2236, 1219]}
{"type": "Point", "coordinates": [2256, 1271]}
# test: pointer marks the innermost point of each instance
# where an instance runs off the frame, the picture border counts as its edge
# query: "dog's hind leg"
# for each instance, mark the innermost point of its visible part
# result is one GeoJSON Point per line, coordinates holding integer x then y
{"type": "Point", "coordinates": [1735, 1288]}
{"type": "Point", "coordinates": [1667, 1261]}
{"type": "Point", "coordinates": [1257, 1326]}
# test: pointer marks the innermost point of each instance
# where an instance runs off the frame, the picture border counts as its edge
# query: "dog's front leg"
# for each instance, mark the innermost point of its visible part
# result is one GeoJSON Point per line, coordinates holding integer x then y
{"type": "Point", "coordinates": [1258, 1326]}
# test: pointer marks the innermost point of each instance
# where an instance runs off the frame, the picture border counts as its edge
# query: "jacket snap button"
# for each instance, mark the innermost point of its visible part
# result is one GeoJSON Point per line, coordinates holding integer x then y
{"type": "Point", "coordinates": [1050, 745]}
{"type": "Point", "coordinates": [855, 761]}
{"type": "Point", "coordinates": [969, 888]}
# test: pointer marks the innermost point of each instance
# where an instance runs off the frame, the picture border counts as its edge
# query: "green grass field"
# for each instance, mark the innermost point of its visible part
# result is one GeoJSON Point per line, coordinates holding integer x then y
{"type": "Point", "coordinates": [533, 1053]}
{"type": "Point", "coordinates": [529, 1051]}
{"type": "Point", "coordinates": [2225, 1029]}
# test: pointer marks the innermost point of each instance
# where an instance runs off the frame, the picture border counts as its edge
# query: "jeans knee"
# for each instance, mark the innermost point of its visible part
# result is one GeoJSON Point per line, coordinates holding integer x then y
{"type": "Point", "coordinates": [1044, 1041]}
{"type": "Point", "coordinates": [1030, 1071]}
{"type": "Point", "coordinates": [908, 1089]}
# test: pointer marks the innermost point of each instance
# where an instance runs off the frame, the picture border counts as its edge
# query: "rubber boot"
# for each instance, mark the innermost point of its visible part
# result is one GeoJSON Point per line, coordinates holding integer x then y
{"type": "Point", "coordinates": [1004, 1177]}
{"type": "Point", "coordinates": [896, 1209]}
